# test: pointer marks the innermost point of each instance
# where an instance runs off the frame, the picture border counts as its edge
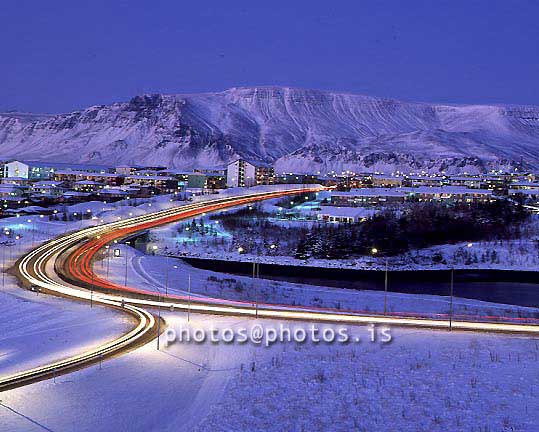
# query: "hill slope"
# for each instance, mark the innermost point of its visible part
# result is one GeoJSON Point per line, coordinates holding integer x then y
{"type": "Point", "coordinates": [298, 130]}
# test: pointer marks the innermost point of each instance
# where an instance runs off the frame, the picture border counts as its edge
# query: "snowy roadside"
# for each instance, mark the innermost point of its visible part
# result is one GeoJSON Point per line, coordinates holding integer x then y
{"type": "Point", "coordinates": [38, 329]}
{"type": "Point", "coordinates": [423, 380]}
{"type": "Point", "coordinates": [170, 275]}
{"type": "Point", "coordinates": [507, 255]}
{"type": "Point", "coordinates": [169, 390]}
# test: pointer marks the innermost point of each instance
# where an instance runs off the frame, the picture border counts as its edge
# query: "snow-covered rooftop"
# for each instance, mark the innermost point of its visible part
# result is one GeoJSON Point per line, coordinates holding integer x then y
{"type": "Point", "coordinates": [437, 190]}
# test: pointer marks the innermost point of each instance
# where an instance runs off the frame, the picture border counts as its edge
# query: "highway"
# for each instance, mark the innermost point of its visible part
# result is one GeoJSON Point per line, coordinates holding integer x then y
{"type": "Point", "coordinates": [41, 269]}
{"type": "Point", "coordinates": [63, 267]}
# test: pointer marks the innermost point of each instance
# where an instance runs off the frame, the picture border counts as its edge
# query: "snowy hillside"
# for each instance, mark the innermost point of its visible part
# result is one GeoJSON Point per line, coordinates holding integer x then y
{"type": "Point", "coordinates": [298, 130]}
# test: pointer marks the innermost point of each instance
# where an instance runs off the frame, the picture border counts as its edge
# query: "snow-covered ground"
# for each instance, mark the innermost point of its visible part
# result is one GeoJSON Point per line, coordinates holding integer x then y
{"type": "Point", "coordinates": [145, 390]}
{"type": "Point", "coordinates": [171, 275]}
{"type": "Point", "coordinates": [38, 329]}
{"type": "Point", "coordinates": [422, 380]}
{"type": "Point", "coordinates": [502, 255]}
{"type": "Point", "coordinates": [519, 254]}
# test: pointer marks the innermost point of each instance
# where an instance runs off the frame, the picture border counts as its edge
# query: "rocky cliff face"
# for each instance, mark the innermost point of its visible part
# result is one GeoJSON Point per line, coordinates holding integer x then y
{"type": "Point", "coordinates": [297, 130]}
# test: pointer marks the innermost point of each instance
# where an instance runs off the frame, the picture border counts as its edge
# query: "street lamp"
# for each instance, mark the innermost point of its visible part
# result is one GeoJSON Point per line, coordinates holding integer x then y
{"type": "Point", "coordinates": [126, 246]}
{"type": "Point", "coordinates": [107, 248]}
{"type": "Point", "coordinates": [166, 275]}
{"type": "Point", "coordinates": [33, 228]}
{"type": "Point", "coordinates": [17, 245]}
{"type": "Point", "coordinates": [188, 296]}
{"type": "Point", "coordinates": [451, 299]}
{"type": "Point", "coordinates": [386, 285]}
{"type": "Point", "coordinates": [4, 265]}
{"type": "Point", "coordinates": [92, 286]}
{"type": "Point", "coordinates": [256, 275]}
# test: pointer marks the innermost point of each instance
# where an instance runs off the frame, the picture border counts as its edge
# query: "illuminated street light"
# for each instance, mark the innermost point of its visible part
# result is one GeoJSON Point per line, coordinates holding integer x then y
{"type": "Point", "coordinates": [374, 251]}
{"type": "Point", "coordinates": [241, 250]}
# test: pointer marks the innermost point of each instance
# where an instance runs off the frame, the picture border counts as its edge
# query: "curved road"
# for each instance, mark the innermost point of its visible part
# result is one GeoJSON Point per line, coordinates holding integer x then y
{"type": "Point", "coordinates": [63, 267]}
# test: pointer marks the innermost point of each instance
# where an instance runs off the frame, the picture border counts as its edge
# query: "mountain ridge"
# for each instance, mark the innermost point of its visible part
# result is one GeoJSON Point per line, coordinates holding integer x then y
{"type": "Point", "coordinates": [298, 130]}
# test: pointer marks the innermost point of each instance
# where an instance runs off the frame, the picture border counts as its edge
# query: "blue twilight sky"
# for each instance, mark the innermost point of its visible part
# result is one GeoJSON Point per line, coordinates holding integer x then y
{"type": "Point", "coordinates": [60, 55]}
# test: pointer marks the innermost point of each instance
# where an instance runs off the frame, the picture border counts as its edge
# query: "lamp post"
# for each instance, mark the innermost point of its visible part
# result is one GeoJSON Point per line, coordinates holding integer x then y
{"type": "Point", "coordinates": [107, 248]}
{"type": "Point", "coordinates": [92, 288]}
{"type": "Point", "coordinates": [125, 280]}
{"type": "Point", "coordinates": [158, 316]}
{"type": "Point", "coordinates": [451, 300]}
{"type": "Point", "coordinates": [374, 251]}
{"type": "Point", "coordinates": [154, 248]}
{"type": "Point", "coordinates": [158, 320]}
{"type": "Point", "coordinates": [166, 275]}
{"type": "Point", "coordinates": [385, 286]}
{"type": "Point", "coordinates": [256, 275]}
{"type": "Point", "coordinates": [4, 265]}
{"type": "Point", "coordinates": [188, 296]}
{"type": "Point", "coordinates": [33, 228]}
{"type": "Point", "coordinates": [17, 251]}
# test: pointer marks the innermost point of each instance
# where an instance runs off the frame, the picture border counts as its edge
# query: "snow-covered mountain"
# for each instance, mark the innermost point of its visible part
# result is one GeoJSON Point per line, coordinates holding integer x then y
{"type": "Point", "coordinates": [298, 130]}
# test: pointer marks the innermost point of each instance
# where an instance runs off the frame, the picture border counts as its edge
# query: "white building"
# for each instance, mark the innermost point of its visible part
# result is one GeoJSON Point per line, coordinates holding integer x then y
{"type": "Point", "coordinates": [386, 196]}
{"type": "Point", "coordinates": [343, 214]}
{"type": "Point", "coordinates": [28, 170]}
{"type": "Point", "coordinates": [240, 173]}
{"type": "Point", "coordinates": [10, 190]}
{"type": "Point", "coordinates": [35, 170]}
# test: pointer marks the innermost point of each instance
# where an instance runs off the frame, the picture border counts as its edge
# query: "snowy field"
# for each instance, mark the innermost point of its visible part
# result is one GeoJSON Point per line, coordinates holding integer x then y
{"type": "Point", "coordinates": [422, 381]}
{"type": "Point", "coordinates": [170, 275]}
{"type": "Point", "coordinates": [516, 254]}
{"type": "Point", "coordinates": [146, 390]}
{"type": "Point", "coordinates": [35, 330]}
{"type": "Point", "coordinates": [505, 255]}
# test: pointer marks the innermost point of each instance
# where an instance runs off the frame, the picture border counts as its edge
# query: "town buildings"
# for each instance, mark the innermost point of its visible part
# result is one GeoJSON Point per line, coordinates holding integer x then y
{"type": "Point", "coordinates": [242, 173]}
